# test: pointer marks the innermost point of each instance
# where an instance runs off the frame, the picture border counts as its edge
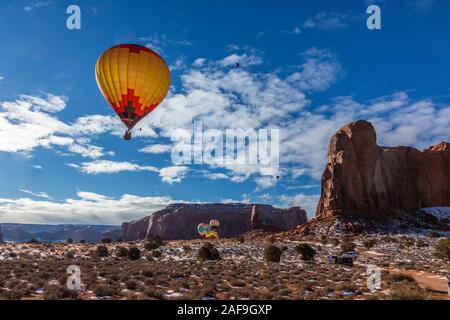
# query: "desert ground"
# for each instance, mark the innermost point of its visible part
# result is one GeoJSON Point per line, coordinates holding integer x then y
{"type": "Point", "coordinates": [239, 268]}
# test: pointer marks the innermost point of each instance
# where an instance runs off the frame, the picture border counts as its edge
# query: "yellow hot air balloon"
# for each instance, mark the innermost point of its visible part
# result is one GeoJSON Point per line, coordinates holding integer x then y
{"type": "Point", "coordinates": [134, 80]}
{"type": "Point", "coordinates": [212, 235]}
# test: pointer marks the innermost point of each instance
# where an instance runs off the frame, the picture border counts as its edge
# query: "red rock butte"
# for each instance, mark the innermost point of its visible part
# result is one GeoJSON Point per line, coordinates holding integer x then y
{"type": "Point", "coordinates": [362, 178]}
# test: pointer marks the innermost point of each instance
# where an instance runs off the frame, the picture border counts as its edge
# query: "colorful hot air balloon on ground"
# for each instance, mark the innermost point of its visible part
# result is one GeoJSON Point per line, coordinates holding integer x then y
{"type": "Point", "coordinates": [214, 223]}
{"type": "Point", "coordinates": [212, 235]}
{"type": "Point", "coordinates": [203, 229]}
{"type": "Point", "coordinates": [134, 80]}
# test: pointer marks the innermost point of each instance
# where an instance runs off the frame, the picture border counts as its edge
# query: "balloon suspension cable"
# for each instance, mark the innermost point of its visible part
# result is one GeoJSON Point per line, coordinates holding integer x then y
{"type": "Point", "coordinates": [127, 135]}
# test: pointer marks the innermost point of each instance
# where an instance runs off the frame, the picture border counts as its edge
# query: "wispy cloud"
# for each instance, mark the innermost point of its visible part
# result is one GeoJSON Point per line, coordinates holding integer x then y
{"type": "Point", "coordinates": [107, 166]}
{"type": "Point", "coordinates": [421, 5]}
{"type": "Point", "coordinates": [159, 42]}
{"type": "Point", "coordinates": [328, 21]}
{"type": "Point", "coordinates": [37, 195]}
{"type": "Point", "coordinates": [37, 4]}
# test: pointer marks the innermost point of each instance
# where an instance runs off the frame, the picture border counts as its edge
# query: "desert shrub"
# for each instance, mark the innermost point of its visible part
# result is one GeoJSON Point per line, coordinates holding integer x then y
{"type": "Point", "coordinates": [158, 240]}
{"type": "Point", "coordinates": [208, 252]}
{"type": "Point", "coordinates": [323, 240]}
{"type": "Point", "coordinates": [33, 241]}
{"type": "Point", "coordinates": [134, 253]}
{"type": "Point", "coordinates": [122, 252]}
{"type": "Point", "coordinates": [368, 244]}
{"type": "Point", "coordinates": [241, 239]}
{"type": "Point", "coordinates": [399, 277]}
{"type": "Point", "coordinates": [12, 295]}
{"type": "Point", "coordinates": [147, 273]}
{"type": "Point", "coordinates": [151, 245]}
{"type": "Point", "coordinates": [70, 254]}
{"type": "Point", "coordinates": [106, 240]}
{"type": "Point", "coordinates": [272, 253]}
{"type": "Point", "coordinates": [82, 241]}
{"type": "Point", "coordinates": [103, 290]}
{"type": "Point", "coordinates": [156, 253]}
{"type": "Point", "coordinates": [56, 292]}
{"type": "Point", "coordinates": [421, 243]}
{"type": "Point", "coordinates": [442, 249]}
{"type": "Point", "coordinates": [186, 248]}
{"type": "Point", "coordinates": [306, 251]}
{"type": "Point", "coordinates": [407, 241]}
{"type": "Point", "coordinates": [102, 251]}
{"type": "Point", "coordinates": [347, 245]}
{"type": "Point", "coordinates": [407, 291]}
{"type": "Point", "coordinates": [433, 234]}
{"type": "Point", "coordinates": [119, 239]}
{"type": "Point", "coordinates": [388, 239]}
{"type": "Point", "coordinates": [70, 241]}
{"type": "Point", "coordinates": [131, 285]}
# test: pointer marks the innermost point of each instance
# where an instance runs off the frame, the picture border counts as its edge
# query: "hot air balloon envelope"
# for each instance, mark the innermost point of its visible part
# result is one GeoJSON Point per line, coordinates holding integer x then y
{"type": "Point", "coordinates": [134, 80]}
{"type": "Point", "coordinates": [214, 223]}
{"type": "Point", "coordinates": [212, 235]}
{"type": "Point", "coordinates": [203, 229]}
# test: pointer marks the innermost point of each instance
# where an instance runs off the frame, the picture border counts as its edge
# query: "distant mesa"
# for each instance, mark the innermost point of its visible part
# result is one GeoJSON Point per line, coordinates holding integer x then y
{"type": "Point", "coordinates": [180, 221]}
{"type": "Point", "coordinates": [365, 185]}
{"type": "Point", "coordinates": [15, 232]}
{"type": "Point", "coordinates": [1, 235]}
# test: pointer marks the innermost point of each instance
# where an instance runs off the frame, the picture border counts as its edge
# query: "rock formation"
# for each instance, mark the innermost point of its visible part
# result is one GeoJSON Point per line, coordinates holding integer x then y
{"type": "Point", "coordinates": [180, 221]}
{"type": "Point", "coordinates": [363, 179]}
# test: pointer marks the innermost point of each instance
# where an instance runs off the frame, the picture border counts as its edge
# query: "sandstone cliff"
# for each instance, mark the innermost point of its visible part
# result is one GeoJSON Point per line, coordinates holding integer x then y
{"type": "Point", "coordinates": [364, 179]}
{"type": "Point", "coordinates": [180, 221]}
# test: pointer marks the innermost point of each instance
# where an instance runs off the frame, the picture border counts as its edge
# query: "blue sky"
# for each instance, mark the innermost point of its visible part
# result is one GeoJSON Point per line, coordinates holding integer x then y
{"type": "Point", "coordinates": [307, 67]}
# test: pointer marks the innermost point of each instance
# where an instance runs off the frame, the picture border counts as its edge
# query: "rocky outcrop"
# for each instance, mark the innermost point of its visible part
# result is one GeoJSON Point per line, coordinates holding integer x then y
{"type": "Point", "coordinates": [363, 179]}
{"type": "Point", "coordinates": [180, 221]}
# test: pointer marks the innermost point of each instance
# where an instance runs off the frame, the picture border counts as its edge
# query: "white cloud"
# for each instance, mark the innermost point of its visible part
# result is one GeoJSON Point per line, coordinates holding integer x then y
{"type": "Point", "coordinates": [157, 149]}
{"type": "Point", "coordinates": [170, 175]}
{"type": "Point", "coordinates": [306, 202]}
{"type": "Point", "coordinates": [243, 59]}
{"type": "Point", "coordinates": [320, 70]}
{"type": "Point", "coordinates": [37, 167]}
{"type": "Point", "coordinates": [88, 208]}
{"type": "Point", "coordinates": [31, 122]}
{"type": "Point", "coordinates": [107, 166]}
{"type": "Point", "coordinates": [37, 195]}
{"type": "Point", "coordinates": [328, 20]}
{"type": "Point", "coordinates": [174, 174]}
{"type": "Point", "coordinates": [199, 62]}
